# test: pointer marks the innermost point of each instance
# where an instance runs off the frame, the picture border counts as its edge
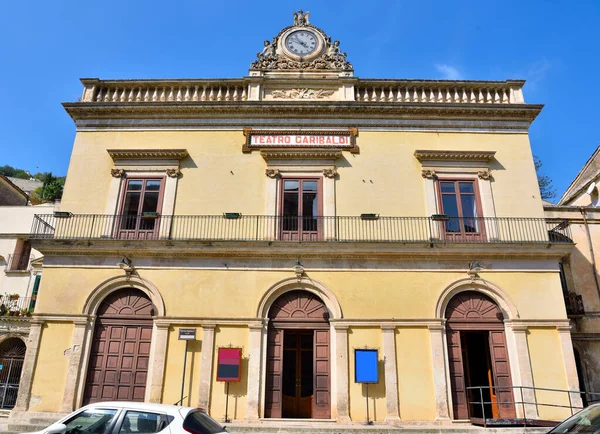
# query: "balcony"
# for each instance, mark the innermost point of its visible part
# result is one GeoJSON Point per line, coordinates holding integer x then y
{"type": "Point", "coordinates": [368, 228]}
{"type": "Point", "coordinates": [16, 306]}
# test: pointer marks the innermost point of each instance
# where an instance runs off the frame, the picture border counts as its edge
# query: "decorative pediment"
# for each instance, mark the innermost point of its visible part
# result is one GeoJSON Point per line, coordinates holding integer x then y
{"type": "Point", "coordinates": [300, 154]}
{"type": "Point", "coordinates": [473, 156]}
{"type": "Point", "coordinates": [147, 154]}
{"type": "Point", "coordinates": [301, 47]}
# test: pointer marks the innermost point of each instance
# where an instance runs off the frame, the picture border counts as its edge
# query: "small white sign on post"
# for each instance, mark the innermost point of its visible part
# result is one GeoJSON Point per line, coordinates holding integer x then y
{"type": "Point", "coordinates": [187, 334]}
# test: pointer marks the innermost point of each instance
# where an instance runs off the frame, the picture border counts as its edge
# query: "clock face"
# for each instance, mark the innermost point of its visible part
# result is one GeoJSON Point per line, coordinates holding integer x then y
{"type": "Point", "coordinates": [301, 42]}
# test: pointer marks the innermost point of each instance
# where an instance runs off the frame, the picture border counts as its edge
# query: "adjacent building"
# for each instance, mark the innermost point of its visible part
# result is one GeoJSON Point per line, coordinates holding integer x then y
{"type": "Point", "coordinates": [20, 274]}
{"type": "Point", "coordinates": [301, 213]}
{"type": "Point", "coordinates": [578, 207]}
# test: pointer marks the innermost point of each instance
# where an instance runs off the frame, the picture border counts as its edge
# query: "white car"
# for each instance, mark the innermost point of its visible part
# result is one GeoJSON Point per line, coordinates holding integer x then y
{"type": "Point", "coordinates": [135, 418]}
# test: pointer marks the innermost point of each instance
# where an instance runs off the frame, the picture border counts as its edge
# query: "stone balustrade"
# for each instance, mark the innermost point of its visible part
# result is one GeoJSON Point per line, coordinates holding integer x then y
{"type": "Point", "coordinates": [99, 91]}
{"type": "Point", "coordinates": [239, 90]}
{"type": "Point", "coordinates": [440, 92]}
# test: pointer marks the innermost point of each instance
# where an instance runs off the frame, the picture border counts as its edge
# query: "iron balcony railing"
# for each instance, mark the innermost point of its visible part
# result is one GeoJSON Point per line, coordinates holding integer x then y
{"type": "Point", "coordinates": [15, 305]}
{"type": "Point", "coordinates": [236, 227]}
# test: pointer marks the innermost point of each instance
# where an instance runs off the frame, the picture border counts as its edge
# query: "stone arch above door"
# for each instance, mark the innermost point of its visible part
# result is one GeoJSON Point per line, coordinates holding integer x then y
{"type": "Point", "coordinates": [127, 302]}
{"type": "Point", "coordinates": [472, 306]}
{"type": "Point", "coordinates": [495, 293]}
{"type": "Point", "coordinates": [292, 284]}
{"type": "Point", "coordinates": [298, 305]}
{"type": "Point", "coordinates": [102, 291]}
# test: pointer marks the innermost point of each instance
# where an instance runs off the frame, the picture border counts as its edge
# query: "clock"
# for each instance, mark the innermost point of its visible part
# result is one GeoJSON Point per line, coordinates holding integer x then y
{"type": "Point", "coordinates": [302, 42]}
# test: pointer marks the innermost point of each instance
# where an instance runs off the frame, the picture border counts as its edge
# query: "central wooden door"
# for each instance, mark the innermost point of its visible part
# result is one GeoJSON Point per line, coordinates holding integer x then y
{"type": "Point", "coordinates": [478, 358]}
{"type": "Point", "coordinates": [118, 365]}
{"type": "Point", "coordinates": [298, 360]}
{"type": "Point", "coordinates": [298, 353]}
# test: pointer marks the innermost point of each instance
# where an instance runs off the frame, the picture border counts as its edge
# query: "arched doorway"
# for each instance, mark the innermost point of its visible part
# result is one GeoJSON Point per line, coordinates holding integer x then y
{"type": "Point", "coordinates": [118, 365]}
{"type": "Point", "coordinates": [12, 354]}
{"type": "Point", "coordinates": [478, 356]}
{"type": "Point", "coordinates": [298, 365]}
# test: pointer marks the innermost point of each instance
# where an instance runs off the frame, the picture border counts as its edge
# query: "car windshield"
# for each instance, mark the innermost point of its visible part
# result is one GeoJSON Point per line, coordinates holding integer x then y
{"type": "Point", "coordinates": [91, 421]}
{"type": "Point", "coordinates": [586, 421]}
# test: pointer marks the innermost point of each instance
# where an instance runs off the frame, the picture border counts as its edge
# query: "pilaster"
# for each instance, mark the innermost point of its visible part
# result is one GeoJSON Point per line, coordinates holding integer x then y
{"type": "Point", "coordinates": [566, 344]}
{"type": "Point", "coordinates": [74, 371]}
{"type": "Point", "coordinates": [254, 375]}
{"type": "Point", "coordinates": [33, 346]}
{"type": "Point", "coordinates": [157, 366]}
{"type": "Point", "coordinates": [440, 380]}
{"type": "Point", "coordinates": [391, 375]}
{"type": "Point", "coordinates": [522, 373]}
{"type": "Point", "coordinates": [341, 341]}
{"type": "Point", "coordinates": [206, 365]}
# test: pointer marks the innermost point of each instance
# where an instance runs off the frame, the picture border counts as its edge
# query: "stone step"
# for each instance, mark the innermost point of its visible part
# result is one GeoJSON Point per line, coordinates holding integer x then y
{"type": "Point", "coordinates": [26, 427]}
{"type": "Point", "coordinates": [332, 428]}
{"type": "Point", "coordinates": [43, 420]}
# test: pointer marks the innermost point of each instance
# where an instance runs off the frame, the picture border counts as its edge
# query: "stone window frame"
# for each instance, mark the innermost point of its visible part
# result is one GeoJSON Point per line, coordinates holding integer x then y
{"type": "Point", "coordinates": [301, 164]}
{"type": "Point", "coordinates": [456, 165]}
{"type": "Point", "coordinates": [144, 164]}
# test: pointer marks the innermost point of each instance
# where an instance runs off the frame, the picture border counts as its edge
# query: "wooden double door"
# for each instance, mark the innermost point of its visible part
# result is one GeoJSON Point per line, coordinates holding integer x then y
{"type": "Point", "coordinates": [298, 374]}
{"type": "Point", "coordinates": [478, 359]}
{"type": "Point", "coordinates": [120, 353]}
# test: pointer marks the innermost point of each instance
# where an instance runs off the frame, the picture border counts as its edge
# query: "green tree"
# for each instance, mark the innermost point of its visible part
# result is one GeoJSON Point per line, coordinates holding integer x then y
{"type": "Point", "coordinates": [547, 189]}
{"type": "Point", "coordinates": [51, 190]}
{"type": "Point", "coordinates": [14, 173]}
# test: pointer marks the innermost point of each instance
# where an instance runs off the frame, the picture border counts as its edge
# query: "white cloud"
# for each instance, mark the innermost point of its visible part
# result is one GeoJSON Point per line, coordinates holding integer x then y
{"type": "Point", "coordinates": [449, 72]}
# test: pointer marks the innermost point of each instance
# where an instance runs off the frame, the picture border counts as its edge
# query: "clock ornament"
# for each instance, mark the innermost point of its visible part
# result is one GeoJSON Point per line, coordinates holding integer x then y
{"type": "Point", "coordinates": [299, 47]}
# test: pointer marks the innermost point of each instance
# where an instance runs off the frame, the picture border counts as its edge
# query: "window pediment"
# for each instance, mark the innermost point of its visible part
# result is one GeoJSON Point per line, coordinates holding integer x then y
{"type": "Point", "coordinates": [300, 154]}
{"type": "Point", "coordinates": [426, 156]}
{"type": "Point", "coordinates": [147, 154]}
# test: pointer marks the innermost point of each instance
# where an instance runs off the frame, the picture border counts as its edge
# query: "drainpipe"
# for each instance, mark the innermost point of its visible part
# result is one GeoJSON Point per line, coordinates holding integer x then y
{"type": "Point", "coordinates": [589, 238]}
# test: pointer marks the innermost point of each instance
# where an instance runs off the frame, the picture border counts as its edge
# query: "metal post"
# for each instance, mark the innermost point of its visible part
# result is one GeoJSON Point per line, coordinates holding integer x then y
{"type": "Point", "coordinates": [570, 403]}
{"type": "Point", "coordinates": [523, 405]}
{"type": "Point", "coordinates": [368, 421]}
{"type": "Point", "coordinates": [227, 402]}
{"type": "Point", "coordinates": [482, 406]}
{"type": "Point", "coordinates": [6, 383]}
{"type": "Point", "coordinates": [183, 377]}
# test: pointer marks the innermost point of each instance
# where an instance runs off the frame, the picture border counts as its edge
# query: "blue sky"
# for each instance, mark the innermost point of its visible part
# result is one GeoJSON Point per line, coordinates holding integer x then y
{"type": "Point", "coordinates": [48, 46]}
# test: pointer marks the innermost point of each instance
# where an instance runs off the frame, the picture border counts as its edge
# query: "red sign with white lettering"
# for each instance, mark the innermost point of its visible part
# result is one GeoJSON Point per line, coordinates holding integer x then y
{"type": "Point", "coordinates": [300, 140]}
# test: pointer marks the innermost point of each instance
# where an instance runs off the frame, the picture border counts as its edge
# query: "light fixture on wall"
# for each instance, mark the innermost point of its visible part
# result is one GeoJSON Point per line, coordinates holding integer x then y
{"type": "Point", "coordinates": [127, 266]}
{"type": "Point", "coordinates": [299, 270]}
{"type": "Point", "coordinates": [474, 269]}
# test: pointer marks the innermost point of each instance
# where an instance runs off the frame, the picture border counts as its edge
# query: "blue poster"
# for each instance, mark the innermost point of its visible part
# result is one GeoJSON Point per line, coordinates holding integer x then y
{"type": "Point", "coordinates": [365, 366]}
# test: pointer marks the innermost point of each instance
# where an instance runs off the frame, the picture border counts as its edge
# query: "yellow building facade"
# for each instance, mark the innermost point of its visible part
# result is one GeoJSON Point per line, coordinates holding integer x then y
{"type": "Point", "coordinates": [301, 213]}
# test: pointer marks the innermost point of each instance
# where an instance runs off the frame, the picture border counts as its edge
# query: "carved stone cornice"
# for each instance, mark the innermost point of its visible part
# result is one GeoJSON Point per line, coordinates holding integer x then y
{"type": "Point", "coordinates": [291, 250]}
{"type": "Point", "coordinates": [147, 154]}
{"type": "Point", "coordinates": [426, 155]}
{"type": "Point", "coordinates": [300, 154]}
{"type": "Point", "coordinates": [356, 114]}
